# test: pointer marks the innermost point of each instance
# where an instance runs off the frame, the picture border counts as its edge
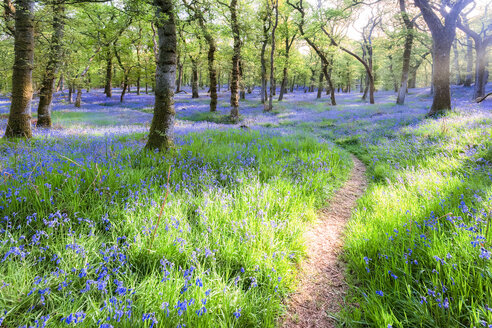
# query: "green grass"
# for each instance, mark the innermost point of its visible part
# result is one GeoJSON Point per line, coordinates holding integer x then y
{"type": "Point", "coordinates": [420, 234]}
{"type": "Point", "coordinates": [231, 229]}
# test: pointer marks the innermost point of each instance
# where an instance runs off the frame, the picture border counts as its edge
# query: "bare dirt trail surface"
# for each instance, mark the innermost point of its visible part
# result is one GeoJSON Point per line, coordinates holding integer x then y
{"type": "Point", "coordinates": [321, 285]}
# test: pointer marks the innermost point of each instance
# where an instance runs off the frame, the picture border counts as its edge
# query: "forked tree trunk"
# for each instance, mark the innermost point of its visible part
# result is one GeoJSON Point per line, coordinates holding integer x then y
{"type": "Point", "coordinates": [19, 122]}
{"type": "Point", "coordinates": [443, 33]}
{"type": "Point", "coordinates": [162, 127]}
{"type": "Point", "coordinates": [55, 53]}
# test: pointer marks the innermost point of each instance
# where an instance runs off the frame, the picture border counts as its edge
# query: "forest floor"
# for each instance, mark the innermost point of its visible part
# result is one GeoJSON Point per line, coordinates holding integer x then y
{"type": "Point", "coordinates": [417, 247]}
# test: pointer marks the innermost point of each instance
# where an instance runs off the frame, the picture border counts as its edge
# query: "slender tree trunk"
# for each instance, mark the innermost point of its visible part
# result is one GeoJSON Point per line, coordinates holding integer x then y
{"type": "Point", "coordinates": [109, 75]}
{"type": "Point", "coordinates": [180, 75]}
{"type": "Point", "coordinates": [60, 84]}
{"type": "Point", "coordinates": [138, 84]}
{"type": "Point", "coordinates": [242, 92]}
{"type": "Point", "coordinates": [456, 63]}
{"type": "Point", "coordinates": [19, 122]}
{"type": "Point", "coordinates": [78, 99]}
{"type": "Point", "coordinates": [272, 58]}
{"type": "Point", "coordinates": [212, 72]}
{"type": "Point", "coordinates": [366, 88]}
{"type": "Point", "coordinates": [469, 62]}
{"type": "Point", "coordinates": [264, 96]}
{"type": "Point", "coordinates": [162, 127]}
{"type": "Point", "coordinates": [320, 85]}
{"type": "Point", "coordinates": [194, 77]}
{"type": "Point", "coordinates": [236, 57]}
{"type": "Point", "coordinates": [330, 83]}
{"type": "Point", "coordinates": [480, 70]}
{"type": "Point", "coordinates": [125, 87]}
{"type": "Point", "coordinates": [70, 93]}
{"type": "Point", "coordinates": [283, 85]}
{"type": "Point", "coordinates": [407, 52]}
{"type": "Point", "coordinates": [46, 92]}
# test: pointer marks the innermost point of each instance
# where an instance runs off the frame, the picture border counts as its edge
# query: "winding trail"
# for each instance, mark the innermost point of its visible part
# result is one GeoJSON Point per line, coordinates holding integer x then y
{"type": "Point", "coordinates": [321, 284]}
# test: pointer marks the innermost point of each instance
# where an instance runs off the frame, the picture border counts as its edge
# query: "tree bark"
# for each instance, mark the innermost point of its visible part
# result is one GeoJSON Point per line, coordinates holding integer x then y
{"type": "Point", "coordinates": [469, 62]}
{"type": "Point", "coordinates": [212, 72]}
{"type": "Point", "coordinates": [481, 44]}
{"type": "Point", "coordinates": [236, 57]}
{"type": "Point", "coordinates": [194, 78]}
{"type": "Point", "coordinates": [443, 34]}
{"type": "Point", "coordinates": [55, 53]}
{"type": "Point", "coordinates": [407, 52]}
{"type": "Point", "coordinates": [19, 122]}
{"type": "Point", "coordinates": [456, 63]}
{"type": "Point", "coordinates": [109, 75]}
{"type": "Point", "coordinates": [272, 54]}
{"type": "Point", "coordinates": [179, 80]}
{"type": "Point", "coordinates": [320, 85]}
{"type": "Point", "coordinates": [78, 98]}
{"type": "Point", "coordinates": [162, 127]}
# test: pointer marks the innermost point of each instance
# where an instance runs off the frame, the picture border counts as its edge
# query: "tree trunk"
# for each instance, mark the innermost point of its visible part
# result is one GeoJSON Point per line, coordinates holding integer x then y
{"type": "Point", "coordinates": [109, 75]}
{"type": "Point", "coordinates": [125, 87]}
{"type": "Point", "coordinates": [161, 129]}
{"type": "Point", "coordinates": [480, 70]}
{"type": "Point", "coordinates": [283, 85]}
{"type": "Point", "coordinates": [236, 56]}
{"type": "Point", "coordinates": [60, 84]}
{"type": "Point", "coordinates": [78, 99]}
{"type": "Point", "coordinates": [320, 85]}
{"type": "Point", "coordinates": [194, 78]}
{"type": "Point", "coordinates": [407, 52]}
{"type": "Point", "coordinates": [330, 84]}
{"type": "Point", "coordinates": [469, 62]}
{"type": "Point", "coordinates": [440, 76]}
{"type": "Point", "coordinates": [46, 92]}
{"type": "Point", "coordinates": [180, 75]}
{"type": "Point", "coordinates": [242, 92]}
{"type": "Point", "coordinates": [272, 58]}
{"type": "Point", "coordinates": [138, 84]}
{"type": "Point", "coordinates": [19, 122]}
{"type": "Point", "coordinates": [70, 93]}
{"type": "Point", "coordinates": [456, 63]}
{"type": "Point", "coordinates": [212, 73]}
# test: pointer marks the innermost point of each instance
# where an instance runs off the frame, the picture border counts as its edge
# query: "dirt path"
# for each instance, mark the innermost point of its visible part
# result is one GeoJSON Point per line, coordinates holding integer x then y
{"type": "Point", "coordinates": [321, 284]}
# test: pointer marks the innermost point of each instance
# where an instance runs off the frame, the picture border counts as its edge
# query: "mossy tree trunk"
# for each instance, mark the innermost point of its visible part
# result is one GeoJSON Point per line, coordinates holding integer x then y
{"type": "Point", "coordinates": [19, 122]}
{"type": "Point", "coordinates": [55, 54]}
